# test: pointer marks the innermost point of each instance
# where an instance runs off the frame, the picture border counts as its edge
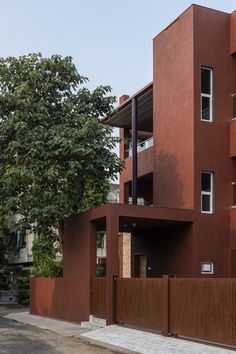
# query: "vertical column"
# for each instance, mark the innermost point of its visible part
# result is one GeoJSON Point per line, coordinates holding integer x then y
{"type": "Point", "coordinates": [92, 235]}
{"type": "Point", "coordinates": [165, 304]}
{"type": "Point", "coordinates": [112, 266]}
{"type": "Point", "coordinates": [134, 151]}
{"type": "Point", "coordinates": [79, 257]}
{"type": "Point", "coordinates": [124, 146]}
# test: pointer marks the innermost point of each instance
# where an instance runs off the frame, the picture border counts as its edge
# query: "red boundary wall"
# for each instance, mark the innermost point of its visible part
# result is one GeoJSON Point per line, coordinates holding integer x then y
{"type": "Point", "coordinates": [57, 298]}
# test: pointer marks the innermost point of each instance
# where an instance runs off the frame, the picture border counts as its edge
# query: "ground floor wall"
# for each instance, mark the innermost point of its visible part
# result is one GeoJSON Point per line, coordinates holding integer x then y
{"type": "Point", "coordinates": [58, 298]}
{"type": "Point", "coordinates": [211, 243]}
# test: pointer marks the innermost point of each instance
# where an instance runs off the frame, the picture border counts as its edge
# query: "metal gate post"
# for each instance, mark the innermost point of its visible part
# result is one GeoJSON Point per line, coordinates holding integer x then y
{"type": "Point", "coordinates": [165, 305]}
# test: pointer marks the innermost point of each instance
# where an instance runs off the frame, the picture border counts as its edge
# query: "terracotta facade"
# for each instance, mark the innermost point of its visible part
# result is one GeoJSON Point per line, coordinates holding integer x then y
{"type": "Point", "coordinates": [184, 145]}
{"type": "Point", "coordinates": [176, 148]}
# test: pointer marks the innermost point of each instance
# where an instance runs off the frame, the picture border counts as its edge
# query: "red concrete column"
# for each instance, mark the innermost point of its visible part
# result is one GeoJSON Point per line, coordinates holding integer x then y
{"type": "Point", "coordinates": [92, 236]}
{"type": "Point", "coordinates": [79, 257]}
{"type": "Point", "coordinates": [112, 265]}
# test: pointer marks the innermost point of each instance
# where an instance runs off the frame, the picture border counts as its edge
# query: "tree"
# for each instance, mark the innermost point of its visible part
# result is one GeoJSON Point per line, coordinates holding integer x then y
{"type": "Point", "coordinates": [7, 237]}
{"type": "Point", "coordinates": [56, 156]}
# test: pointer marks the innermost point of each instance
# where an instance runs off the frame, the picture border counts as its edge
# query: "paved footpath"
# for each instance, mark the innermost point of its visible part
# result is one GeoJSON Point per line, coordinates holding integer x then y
{"type": "Point", "coordinates": [128, 340]}
{"type": "Point", "coordinates": [19, 338]}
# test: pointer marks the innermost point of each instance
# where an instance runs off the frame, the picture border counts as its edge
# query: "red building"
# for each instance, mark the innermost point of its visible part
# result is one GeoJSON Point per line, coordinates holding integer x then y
{"type": "Point", "coordinates": [182, 164]}
{"type": "Point", "coordinates": [187, 114]}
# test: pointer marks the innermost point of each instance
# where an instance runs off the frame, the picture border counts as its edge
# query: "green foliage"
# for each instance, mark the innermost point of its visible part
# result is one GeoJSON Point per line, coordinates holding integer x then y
{"type": "Point", "coordinates": [44, 255]}
{"type": "Point", "coordinates": [22, 290]}
{"type": "Point", "coordinates": [100, 239]}
{"type": "Point", "coordinates": [2, 250]}
{"type": "Point", "coordinates": [56, 157]}
{"type": "Point", "coordinates": [101, 270]}
{"type": "Point", "coordinates": [7, 236]}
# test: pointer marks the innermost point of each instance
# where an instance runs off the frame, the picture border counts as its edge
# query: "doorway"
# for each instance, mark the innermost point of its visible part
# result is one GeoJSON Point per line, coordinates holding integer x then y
{"type": "Point", "coordinates": [140, 265]}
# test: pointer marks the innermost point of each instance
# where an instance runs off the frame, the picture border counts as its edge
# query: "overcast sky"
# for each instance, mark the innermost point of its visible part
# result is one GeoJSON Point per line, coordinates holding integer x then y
{"type": "Point", "coordinates": [110, 40]}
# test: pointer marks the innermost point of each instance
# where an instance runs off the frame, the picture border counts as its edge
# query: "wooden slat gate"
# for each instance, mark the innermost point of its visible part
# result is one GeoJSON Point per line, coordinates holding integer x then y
{"type": "Point", "coordinates": [99, 297]}
{"type": "Point", "coordinates": [139, 302]}
{"type": "Point", "coordinates": [203, 309]}
{"type": "Point", "coordinates": [199, 308]}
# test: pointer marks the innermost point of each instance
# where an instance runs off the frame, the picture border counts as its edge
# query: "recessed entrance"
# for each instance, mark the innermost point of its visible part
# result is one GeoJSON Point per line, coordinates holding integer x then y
{"type": "Point", "coordinates": [140, 265]}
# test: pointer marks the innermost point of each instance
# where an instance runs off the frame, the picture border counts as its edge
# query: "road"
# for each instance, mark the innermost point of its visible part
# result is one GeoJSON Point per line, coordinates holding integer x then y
{"type": "Point", "coordinates": [17, 338]}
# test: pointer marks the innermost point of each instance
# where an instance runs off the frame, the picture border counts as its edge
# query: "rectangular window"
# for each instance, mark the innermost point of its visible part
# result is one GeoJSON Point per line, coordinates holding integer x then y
{"type": "Point", "coordinates": [207, 192]}
{"type": "Point", "coordinates": [206, 94]}
{"type": "Point", "coordinates": [207, 268]}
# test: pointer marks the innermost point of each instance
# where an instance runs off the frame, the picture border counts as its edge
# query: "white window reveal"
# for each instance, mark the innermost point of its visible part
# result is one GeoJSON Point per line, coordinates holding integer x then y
{"type": "Point", "coordinates": [207, 192]}
{"type": "Point", "coordinates": [207, 268]}
{"type": "Point", "coordinates": [206, 94]}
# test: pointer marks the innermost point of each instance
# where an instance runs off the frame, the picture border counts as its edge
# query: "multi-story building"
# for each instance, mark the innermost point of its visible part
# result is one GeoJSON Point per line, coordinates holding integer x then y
{"type": "Point", "coordinates": [183, 130]}
{"type": "Point", "coordinates": [179, 145]}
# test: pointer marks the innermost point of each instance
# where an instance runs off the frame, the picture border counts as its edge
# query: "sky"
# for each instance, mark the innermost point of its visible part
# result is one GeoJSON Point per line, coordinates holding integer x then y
{"type": "Point", "coordinates": [110, 41]}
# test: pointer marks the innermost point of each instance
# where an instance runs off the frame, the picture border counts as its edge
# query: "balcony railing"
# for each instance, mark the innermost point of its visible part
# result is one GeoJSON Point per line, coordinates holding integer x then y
{"type": "Point", "coordinates": [143, 145]}
{"type": "Point", "coordinates": [141, 201]}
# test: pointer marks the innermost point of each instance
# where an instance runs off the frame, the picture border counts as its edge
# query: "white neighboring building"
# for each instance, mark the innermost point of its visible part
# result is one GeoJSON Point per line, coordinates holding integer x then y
{"type": "Point", "coordinates": [21, 250]}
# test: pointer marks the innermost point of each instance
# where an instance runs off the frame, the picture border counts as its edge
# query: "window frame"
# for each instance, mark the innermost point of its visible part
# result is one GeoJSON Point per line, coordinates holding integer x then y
{"type": "Point", "coordinates": [210, 193]}
{"type": "Point", "coordinates": [210, 96]}
{"type": "Point", "coordinates": [205, 263]}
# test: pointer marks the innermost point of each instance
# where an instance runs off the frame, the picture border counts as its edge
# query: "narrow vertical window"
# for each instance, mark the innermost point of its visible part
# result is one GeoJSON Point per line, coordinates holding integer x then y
{"type": "Point", "coordinates": [234, 194]}
{"type": "Point", "coordinates": [234, 105]}
{"type": "Point", "coordinates": [207, 192]}
{"type": "Point", "coordinates": [206, 94]}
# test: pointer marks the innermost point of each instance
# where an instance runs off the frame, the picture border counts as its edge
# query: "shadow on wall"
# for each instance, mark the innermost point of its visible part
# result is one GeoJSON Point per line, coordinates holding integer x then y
{"type": "Point", "coordinates": [169, 189]}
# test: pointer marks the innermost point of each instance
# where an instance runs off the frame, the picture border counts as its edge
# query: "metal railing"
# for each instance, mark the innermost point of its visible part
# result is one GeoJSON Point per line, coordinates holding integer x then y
{"type": "Point", "coordinates": [143, 145]}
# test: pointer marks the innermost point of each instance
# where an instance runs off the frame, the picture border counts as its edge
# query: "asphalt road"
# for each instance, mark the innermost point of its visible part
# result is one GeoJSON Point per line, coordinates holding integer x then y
{"type": "Point", "coordinates": [17, 338]}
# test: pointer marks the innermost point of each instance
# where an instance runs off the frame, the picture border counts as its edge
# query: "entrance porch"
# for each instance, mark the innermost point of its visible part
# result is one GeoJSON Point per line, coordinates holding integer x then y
{"type": "Point", "coordinates": [71, 296]}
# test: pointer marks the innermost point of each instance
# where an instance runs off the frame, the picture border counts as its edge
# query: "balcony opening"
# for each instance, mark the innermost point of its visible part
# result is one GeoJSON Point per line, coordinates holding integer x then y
{"type": "Point", "coordinates": [122, 118]}
{"type": "Point", "coordinates": [145, 190]}
{"type": "Point", "coordinates": [145, 141]}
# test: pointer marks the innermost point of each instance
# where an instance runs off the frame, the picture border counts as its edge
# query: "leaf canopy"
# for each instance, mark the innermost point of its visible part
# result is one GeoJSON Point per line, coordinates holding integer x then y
{"type": "Point", "coordinates": [56, 156]}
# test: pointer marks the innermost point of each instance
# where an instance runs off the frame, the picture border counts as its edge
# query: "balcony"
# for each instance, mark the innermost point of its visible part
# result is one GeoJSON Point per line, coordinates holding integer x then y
{"type": "Point", "coordinates": [145, 161]}
{"type": "Point", "coordinates": [134, 116]}
{"type": "Point", "coordinates": [141, 146]}
{"type": "Point", "coordinates": [21, 257]}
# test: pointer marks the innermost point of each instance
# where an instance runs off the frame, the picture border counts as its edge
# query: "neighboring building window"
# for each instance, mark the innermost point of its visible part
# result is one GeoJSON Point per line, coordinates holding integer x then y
{"type": "Point", "coordinates": [207, 268]}
{"type": "Point", "coordinates": [206, 94]}
{"type": "Point", "coordinates": [100, 239]}
{"type": "Point", "coordinates": [207, 192]}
